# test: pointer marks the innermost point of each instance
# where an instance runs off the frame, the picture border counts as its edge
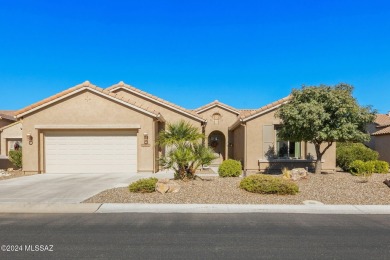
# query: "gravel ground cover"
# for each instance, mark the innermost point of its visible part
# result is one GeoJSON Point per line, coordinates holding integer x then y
{"type": "Point", "coordinates": [14, 174]}
{"type": "Point", "coordinates": [337, 188]}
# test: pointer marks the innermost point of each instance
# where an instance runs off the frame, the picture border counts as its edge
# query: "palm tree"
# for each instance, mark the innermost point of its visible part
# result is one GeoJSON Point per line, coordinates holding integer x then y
{"type": "Point", "coordinates": [186, 154]}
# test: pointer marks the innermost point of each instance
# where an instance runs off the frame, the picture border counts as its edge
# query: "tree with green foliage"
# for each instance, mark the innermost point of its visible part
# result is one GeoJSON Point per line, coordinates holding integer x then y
{"type": "Point", "coordinates": [185, 154]}
{"type": "Point", "coordinates": [323, 115]}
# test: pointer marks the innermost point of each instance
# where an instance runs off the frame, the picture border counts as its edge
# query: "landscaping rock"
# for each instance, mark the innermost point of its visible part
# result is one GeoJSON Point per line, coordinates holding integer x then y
{"type": "Point", "coordinates": [387, 182]}
{"type": "Point", "coordinates": [10, 169]}
{"type": "Point", "coordinates": [298, 174]}
{"type": "Point", "coordinates": [162, 187]}
{"type": "Point", "coordinates": [167, 186]}
{"type": "Point", "coordinates": [173, 187]}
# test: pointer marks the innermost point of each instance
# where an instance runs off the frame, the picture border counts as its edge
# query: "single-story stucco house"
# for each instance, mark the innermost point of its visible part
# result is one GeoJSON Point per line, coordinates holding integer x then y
{"type": "Point", "coordinates": [380, 136]}
{"type": "Point", "coordinates": [87, 129]}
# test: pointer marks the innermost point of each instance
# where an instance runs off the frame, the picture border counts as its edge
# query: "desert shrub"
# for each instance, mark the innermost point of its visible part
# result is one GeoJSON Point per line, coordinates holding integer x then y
{"type": "Point", "coordinates": [15, 158]}
{"type": "Point", "coordinates": [346, 153]}
{"type": "Point", "coordinates": [146, 185]}
{"type": "Point", "coordinates": [381, 167]}
{"type": "Point", "coordinates": [265, 184]}
{"type": "Point", "coordinates": [359, 167]}
{"type": "Point", "coordinates": [230, 168]}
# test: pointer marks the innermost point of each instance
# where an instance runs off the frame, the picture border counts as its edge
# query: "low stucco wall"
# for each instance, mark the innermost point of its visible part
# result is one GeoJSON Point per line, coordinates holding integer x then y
{"type": "Point", "coordinates": [382, 146]}
{"type": "Point", "coordinates": [5, 164]}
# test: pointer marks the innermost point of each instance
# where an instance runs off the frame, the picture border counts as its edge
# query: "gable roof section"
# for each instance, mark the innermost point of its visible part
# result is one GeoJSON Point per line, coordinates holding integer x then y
{"type": "Point", "coordinates": [252, 114]}
{"type": "Point", "coordinates": [8, 115]}
{"type": "Point", "coordinates": [78, 88]}
{"type": "Point", "coordinates": [216, 103]}
{"type": "Point", "coordinates": [382, 120]}
{"type": "Point", "coordinates": [122, 85]}
{"type": "Point", "coordinates": [8, 126]}
{"type": "Point", "coordinates": [384, 131]}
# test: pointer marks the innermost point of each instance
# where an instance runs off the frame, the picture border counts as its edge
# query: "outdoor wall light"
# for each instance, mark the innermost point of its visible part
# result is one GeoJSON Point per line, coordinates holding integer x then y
{"type": "Point", "coordinates": [146, 138]}
{"type": "Point", "coordinates": [29, 138]}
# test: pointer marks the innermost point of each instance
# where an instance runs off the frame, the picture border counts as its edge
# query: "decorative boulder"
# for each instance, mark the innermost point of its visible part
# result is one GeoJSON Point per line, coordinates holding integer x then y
{"type": "Point", "coordinates": [167, 186]}
{"type": "Point", "coordinates": [298, 174]}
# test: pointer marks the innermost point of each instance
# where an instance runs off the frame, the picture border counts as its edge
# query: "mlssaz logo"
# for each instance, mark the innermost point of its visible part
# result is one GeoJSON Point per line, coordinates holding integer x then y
{"type": "Point", "coordinates": [38, 248]}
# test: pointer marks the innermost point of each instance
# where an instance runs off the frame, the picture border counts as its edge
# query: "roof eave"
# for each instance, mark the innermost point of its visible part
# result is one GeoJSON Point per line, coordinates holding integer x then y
{"type": "Point", "coordinates": [80, 89]}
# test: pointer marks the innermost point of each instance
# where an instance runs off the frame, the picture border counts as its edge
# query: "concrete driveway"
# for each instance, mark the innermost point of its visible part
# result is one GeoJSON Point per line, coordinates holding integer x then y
{"type": "Point", "coordinates": [64, 188]}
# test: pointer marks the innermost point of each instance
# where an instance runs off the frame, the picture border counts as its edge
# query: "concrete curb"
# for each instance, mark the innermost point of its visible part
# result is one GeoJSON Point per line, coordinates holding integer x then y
{"type": "Point", "coordinates": [190, 208]}
{"type": "Point", "coordinates": [234, 208]}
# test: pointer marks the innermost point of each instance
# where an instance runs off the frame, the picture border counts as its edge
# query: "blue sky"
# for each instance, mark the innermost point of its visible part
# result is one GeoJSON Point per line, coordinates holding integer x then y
{"type": "Point", "coordinates": [244, 53]}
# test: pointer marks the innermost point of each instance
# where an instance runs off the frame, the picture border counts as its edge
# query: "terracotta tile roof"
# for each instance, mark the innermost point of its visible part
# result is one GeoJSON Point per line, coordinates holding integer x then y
{"type": "Point", "coordinates": [216, 103]}
{"type": "Point", "coordinates": [86, 84]}
{"type": "Point", "coordinates": [384, 131]}
{"type": "Point", "coordinates": [246, 112]}
{"type": "Point", "coordinates": [264, 108]}
{"type": "Point", "coordinates": [382, 120]}
{"type": "Point", "coordinates": [152, 97]}
{"type": "Point", "coordinates": [8, 114]}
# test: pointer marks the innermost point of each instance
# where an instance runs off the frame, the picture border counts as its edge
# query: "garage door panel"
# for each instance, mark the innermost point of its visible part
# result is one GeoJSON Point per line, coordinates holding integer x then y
{"type": "Point", "coordinates": [91, 153]}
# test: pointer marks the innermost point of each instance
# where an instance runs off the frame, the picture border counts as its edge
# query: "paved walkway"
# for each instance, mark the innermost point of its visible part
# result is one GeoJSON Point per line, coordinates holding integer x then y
{"type": "Point", "coordinates": [65, 188]}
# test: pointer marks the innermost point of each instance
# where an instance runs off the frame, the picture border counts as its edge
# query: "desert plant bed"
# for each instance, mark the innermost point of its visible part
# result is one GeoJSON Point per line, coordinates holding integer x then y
{"type": "Point", "coordinates": [336, 188]}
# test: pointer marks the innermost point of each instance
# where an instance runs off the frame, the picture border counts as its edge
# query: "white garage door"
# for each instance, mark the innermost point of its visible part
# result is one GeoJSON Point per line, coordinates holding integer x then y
{"type": "Point", "coordinates": [91, 152]}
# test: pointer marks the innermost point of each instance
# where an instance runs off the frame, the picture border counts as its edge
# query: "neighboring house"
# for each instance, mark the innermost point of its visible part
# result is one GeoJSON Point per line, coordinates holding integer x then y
{"type": "Point", "coordinates": [87, 129]}
{"type": "Point", "coordinates": [380, 136]}
{"type": "Point", "coordinates": [8, 138]}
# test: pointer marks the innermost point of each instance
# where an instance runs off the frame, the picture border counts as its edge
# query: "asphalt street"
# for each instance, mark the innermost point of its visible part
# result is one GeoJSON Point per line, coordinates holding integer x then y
{"type": "Point", "coordinates": [194, 236]}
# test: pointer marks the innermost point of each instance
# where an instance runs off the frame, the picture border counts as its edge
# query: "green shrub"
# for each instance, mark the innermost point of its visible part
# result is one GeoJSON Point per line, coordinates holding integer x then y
{"type": "Point", "coordinates": [16, 158]}
{"type": "Point", "coordinates": [265, 184]}
{"type": "Point", "coordinates": [346, 153]}
{"type": "Point", "coordinates": [381, 167]}
{"type": "Point", "coordinates": [144, 185]}
{"type": "Point", "coordinates": [230, 168]}
{"type": "Point", "coordinates": [359, 167]}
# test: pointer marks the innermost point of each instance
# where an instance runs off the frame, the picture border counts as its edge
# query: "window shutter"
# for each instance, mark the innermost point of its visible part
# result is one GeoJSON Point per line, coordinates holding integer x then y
{"type": "Point", "coordinates": [268, 142]}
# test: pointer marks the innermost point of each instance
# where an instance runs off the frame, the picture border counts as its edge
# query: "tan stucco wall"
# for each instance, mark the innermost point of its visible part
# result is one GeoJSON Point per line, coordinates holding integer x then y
{"type": "Point", "coordinates": [254, 146]}
{"type": "Point", "coordinates": [170, 115]}
{"type": "Point", "coordinates": [239, 144]}
{"type": "Point", "coordinates": [382, 146]}
{"type": "Point", "coordinates": [85, 108]}
{"type": "Point", "coordinates": [226, 120]}
{"type": "Point", "coordinates": [371, 128]}
{"type": "Point", "coordinates": [14, 131]}
{"type": "Point", "coordinates": [255, 135]}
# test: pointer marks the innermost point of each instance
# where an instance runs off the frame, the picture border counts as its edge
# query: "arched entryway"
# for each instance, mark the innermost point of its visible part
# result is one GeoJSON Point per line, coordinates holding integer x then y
{"type": "Point", "coordinates": [217, 142]}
